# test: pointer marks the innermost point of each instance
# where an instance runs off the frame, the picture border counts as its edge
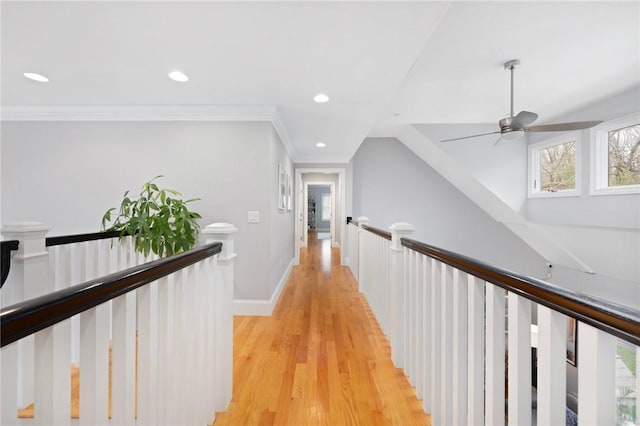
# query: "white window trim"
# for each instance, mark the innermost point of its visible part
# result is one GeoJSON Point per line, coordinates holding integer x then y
{"type": "Point", "coordinates": [534, 166]}
{"type": "Point", "coordinates": [599, 179]}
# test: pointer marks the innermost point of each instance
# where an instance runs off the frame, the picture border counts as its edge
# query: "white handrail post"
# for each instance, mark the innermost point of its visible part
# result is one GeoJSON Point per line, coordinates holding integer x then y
{"type": "Point", "coordinates": [28, 278]}
{"type": "Point", "coordinates": [362, 220]}
{"type": "Point", "coordinates": [223, 232]}
{"type": "Point", "coordinates": [397, 281]}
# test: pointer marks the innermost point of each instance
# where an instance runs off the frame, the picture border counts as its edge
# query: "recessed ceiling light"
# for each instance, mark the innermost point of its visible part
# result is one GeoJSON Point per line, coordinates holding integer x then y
{"type": "Point", "coordinates": [178, 76]}
{"type": "Point", "coordinates": [321, 98]}
{"type": "Point", "coordinates": [321, 144]}
{"type": "Point", "coordinates": [36, 77]}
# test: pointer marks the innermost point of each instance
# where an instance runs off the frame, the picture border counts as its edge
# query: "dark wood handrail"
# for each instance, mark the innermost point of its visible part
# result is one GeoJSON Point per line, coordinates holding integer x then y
{"type": "Point", "coordinates": [6, 247]}
{"type": "Point", "coordinates": [79, 238]}
{"type": "Point", "coordinates": [618, 320]}
{"type": "Point", "coordinates": [25, 318]}
{"type": "Point", "coordinates": [379, 232]}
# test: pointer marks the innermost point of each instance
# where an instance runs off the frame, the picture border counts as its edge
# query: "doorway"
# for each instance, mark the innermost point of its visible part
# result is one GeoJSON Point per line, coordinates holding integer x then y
{"type": "Point", "coordinates": [333, 178]}
{"type": "Point", "coordinates": [320, 211]}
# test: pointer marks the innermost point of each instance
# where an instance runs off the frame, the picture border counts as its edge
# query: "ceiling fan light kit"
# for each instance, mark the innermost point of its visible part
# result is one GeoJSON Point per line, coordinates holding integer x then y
{"type": "Point", "coordinates": [512, 127]}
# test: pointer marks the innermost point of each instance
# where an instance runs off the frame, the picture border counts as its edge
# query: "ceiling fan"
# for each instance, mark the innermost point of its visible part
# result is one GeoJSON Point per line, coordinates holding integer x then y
{"type": "Point", "coordinates": [512, 127]}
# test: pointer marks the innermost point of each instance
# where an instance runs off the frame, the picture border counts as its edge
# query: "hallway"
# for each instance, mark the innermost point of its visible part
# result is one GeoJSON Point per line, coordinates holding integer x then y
{"type": "Point", "coordinates": [320, 359]}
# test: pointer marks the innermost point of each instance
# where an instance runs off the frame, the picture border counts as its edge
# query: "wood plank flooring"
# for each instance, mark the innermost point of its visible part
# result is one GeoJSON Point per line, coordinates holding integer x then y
{"type": "Point", "coordinates": [320, 359]}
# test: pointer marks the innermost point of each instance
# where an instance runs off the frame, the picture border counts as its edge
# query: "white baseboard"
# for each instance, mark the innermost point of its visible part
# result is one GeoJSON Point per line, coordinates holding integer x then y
{"type": "Point", "coordinates": [262, 307]}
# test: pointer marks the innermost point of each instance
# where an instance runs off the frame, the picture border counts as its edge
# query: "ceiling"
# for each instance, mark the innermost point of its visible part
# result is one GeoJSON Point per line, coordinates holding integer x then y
{"type": "Point", "coordinates": [383, 64]}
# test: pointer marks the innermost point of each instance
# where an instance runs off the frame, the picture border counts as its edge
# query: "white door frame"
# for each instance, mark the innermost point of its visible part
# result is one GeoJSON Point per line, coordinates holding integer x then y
{"type": "Point", "coordinates": [332, 221]}
{"type": "Point", "coordinates": [301, 204]}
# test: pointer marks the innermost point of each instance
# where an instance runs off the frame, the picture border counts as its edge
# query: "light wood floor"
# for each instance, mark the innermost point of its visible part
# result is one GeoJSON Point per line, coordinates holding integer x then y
{"type": "Point", "coordinates": [320, 359]}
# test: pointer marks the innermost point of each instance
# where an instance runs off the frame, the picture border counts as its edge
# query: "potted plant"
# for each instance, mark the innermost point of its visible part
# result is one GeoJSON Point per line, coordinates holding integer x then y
{"type": "Point", "coordinates": [158, 219]}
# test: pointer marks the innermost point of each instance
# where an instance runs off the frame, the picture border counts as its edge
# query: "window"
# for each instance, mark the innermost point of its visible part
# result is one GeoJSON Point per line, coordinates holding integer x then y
{"type": "Point", "coordinates": [616, 157]}
{"type": "Point", "coordinates": [554, 166]}
{"type": "Point", "coordinates": [326, 207]}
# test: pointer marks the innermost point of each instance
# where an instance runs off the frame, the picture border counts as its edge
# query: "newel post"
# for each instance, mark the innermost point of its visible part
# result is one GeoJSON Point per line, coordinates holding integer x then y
{"type": "Point", "coordinates": [223, 232]}
{"type": "Point", "coordinates": [362, 220]}
{"type": "Point", "coordinates": [29, 274]}
{"type": "Point", "coordinates": [398, 283]}
{"type": "Point", "coordinates": [28, 278]}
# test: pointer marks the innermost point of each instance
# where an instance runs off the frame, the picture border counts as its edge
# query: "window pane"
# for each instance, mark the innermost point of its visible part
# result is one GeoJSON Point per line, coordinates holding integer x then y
{"type": "Point", "coordinates": [326, 206]}
{"type": "Point", "coordinates": [626, 384]}
{"type": "Point", "coordinates": [558, 167]}
{"type": "Point", "coordinates": [624, 156]}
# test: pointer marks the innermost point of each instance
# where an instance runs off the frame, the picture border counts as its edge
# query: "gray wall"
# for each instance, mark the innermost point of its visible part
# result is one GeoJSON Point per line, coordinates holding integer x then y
{"type": "Point", "coordinates": [282, 236]}
{"type": "Point", "coordinates": [67, 174]}
{"type": "Point", "coordinates": [391, 184]}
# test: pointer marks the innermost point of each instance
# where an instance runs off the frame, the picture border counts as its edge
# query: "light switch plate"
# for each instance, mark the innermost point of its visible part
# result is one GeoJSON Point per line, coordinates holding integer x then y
{"type": "Point", "coordinates": [253, 217]}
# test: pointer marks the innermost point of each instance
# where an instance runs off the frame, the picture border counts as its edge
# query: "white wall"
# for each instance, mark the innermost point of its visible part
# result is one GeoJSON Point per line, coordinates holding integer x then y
{"type": "Point", "coordinates": [501, 168]}
{"type": "Point", "coordinates": [67, 174]}
{"type": "Point", "coordinates": [391, 184]}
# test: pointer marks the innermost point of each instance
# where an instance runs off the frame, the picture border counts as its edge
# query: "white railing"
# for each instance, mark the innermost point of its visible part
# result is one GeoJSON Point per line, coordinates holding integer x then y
{"type": "Point", "coordinates": [462, 332]}
{"type": "Point", "coordinates": [160, 353]}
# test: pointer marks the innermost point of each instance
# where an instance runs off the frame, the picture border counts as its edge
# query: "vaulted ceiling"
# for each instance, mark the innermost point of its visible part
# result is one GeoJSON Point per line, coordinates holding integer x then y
{"type": "Point", "coordinates": [383, 64]}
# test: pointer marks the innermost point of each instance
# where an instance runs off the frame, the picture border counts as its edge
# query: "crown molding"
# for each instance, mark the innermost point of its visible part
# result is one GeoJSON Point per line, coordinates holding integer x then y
{"type": "Point", "coordinates": [138, 113]}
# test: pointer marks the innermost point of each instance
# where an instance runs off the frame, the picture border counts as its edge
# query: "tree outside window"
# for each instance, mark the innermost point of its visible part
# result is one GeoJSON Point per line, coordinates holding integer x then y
{"type": "Point", "coordinates": [624, 156]}
{"type": "Point", "coordinates": [558, 167]}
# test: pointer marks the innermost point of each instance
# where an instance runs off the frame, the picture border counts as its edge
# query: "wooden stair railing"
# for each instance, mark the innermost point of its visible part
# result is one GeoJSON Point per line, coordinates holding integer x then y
{"type": "Point", "coordinates": [186, 310]}
{"type": "Point", "coordinates": [447, 320]}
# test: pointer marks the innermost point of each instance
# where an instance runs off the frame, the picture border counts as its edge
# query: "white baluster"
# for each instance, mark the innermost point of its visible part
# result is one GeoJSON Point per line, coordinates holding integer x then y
{"type": "Point", "coordinates": [123, 359]}
{"type": "Point", "coordinates": [147, 354]}
{"type": "Point", "coordinates": [596, 376]}
{"type": "Point", "coordinates": [519, 323]}
{"type": "Point", "coordinates": [420, 308]}
{"type": "Point", "coordinates": [166, 342]}
{"type": "Point", "coordinates": [8, 362]}
{"type": "Point", "coordinates": [94, 365]}
{"type": "Point", "coordinates": [446, 345]}
{"type": "Point", "coordinates": [436, 343]}
{"type": "Point", "coordinates": [476, 339]}
{"type": "Point", "coordinates": [411, 317]}
{"type": "Point", "coordinates": [425, 282]}
{"type": "Point", "coordinates": [52, 375]}
{"type": "Point", "coordinates": [459, 349]}
{"type": "Point", "coordinates": [552, 370]}
{"type": "Point", "coordinates": [495, 355]}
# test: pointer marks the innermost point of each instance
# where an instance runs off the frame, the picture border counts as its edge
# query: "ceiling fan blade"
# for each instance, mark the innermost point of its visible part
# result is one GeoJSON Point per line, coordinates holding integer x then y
{"type": "Point", "coordinates": [561, 127]}
{"type": "Point", "coordinates": [469, 137]}
{"type": "Point", "coordinates": [523, 119]}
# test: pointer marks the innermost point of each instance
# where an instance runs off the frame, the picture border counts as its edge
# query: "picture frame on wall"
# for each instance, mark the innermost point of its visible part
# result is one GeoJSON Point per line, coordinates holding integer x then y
{"type": "Point", "coordinates": [282, 188]}
{"type": "Point", "coordinates": [572, 341]}
{"type": "Point", "coordinates": [289, 191]}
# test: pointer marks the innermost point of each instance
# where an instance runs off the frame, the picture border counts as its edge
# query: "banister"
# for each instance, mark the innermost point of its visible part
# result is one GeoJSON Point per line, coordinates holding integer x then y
{"type": "Point", "coordinates": [377, 231]}
{"type": "Point", "coordinates": [24, 318]}
{"type": "Point", "coordinates": [79, 238]}
{"type": "Point", "coordinates": [613, 318]}
{"type": "Point", "coordinates": [6, 247]}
